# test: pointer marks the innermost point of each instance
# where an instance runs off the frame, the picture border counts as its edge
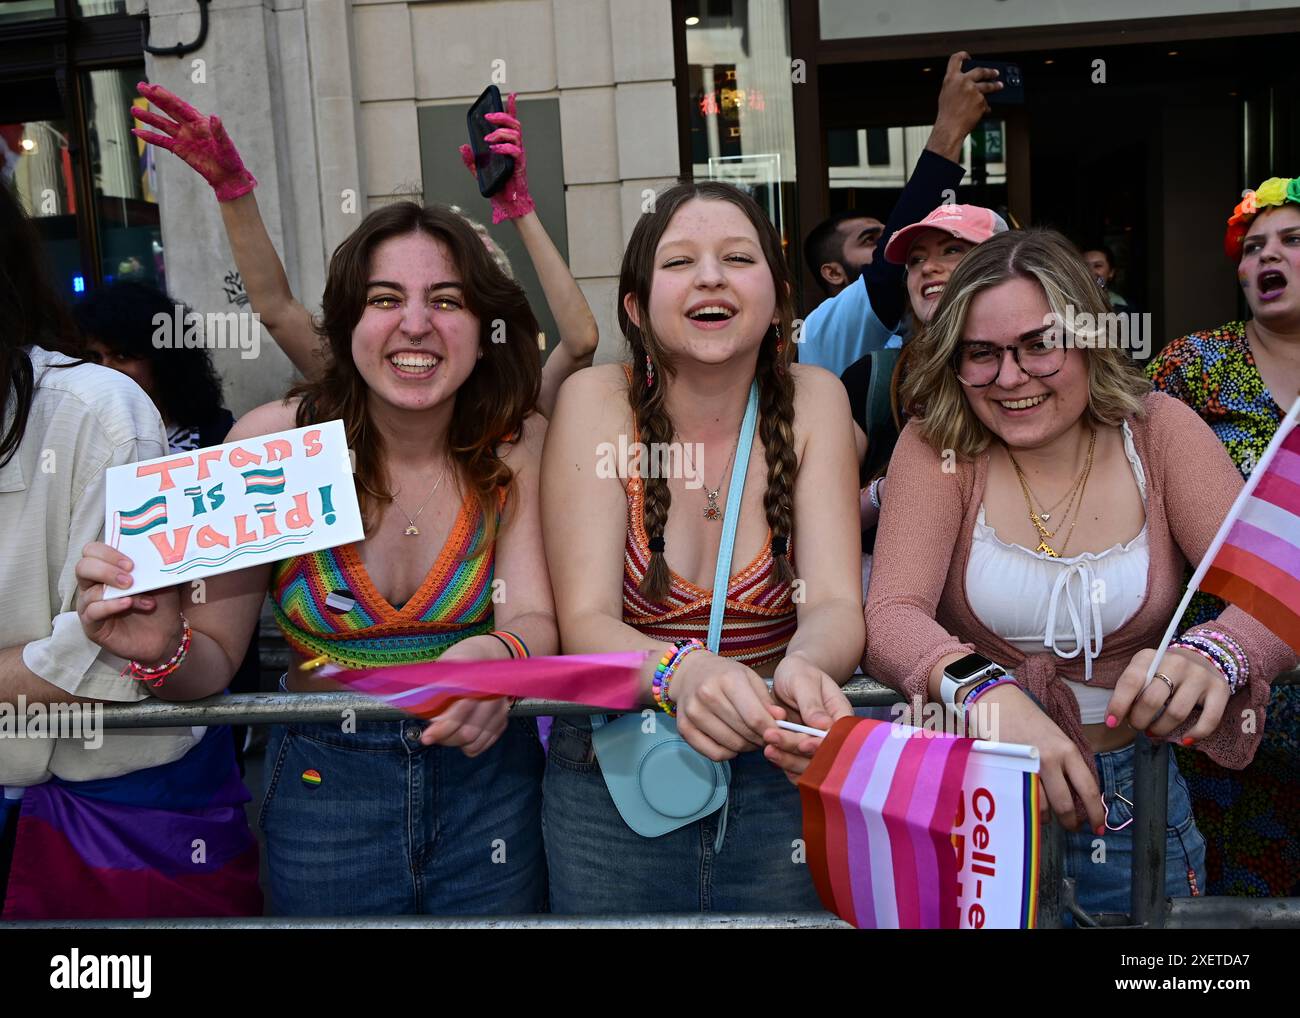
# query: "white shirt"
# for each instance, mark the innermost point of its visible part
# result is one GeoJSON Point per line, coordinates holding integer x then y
{"type": "Point", "coordinates": [1064, 605]}
{"type": "Point", "coordinates": [83, 420]}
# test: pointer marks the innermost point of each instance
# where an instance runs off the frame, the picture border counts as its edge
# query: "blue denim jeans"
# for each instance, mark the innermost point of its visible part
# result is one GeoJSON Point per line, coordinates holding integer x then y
{"type": "Point", "coordinates": [1104, 880]}
{"type": "Point", "coordinates": [598, 865]}
{"type": "Point", "coordinates": [386, 826]}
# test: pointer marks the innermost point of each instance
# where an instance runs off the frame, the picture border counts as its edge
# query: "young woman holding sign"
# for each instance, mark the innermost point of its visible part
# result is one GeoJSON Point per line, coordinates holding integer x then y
{"type": "Point", "coordinates": [392, 817]}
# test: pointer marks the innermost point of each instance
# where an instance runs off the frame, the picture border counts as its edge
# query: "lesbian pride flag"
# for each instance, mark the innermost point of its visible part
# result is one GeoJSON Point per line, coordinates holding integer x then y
{"type": "Point", "coordinates": [612, 681]}
{"type": "Point", "coordinates": [906, 829]}
{"type": "Point", "coordinates": [1257, 562]}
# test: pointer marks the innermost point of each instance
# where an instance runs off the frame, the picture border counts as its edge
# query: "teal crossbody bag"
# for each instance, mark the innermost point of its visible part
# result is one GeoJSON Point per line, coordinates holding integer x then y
{"type": "Point", "coordinates": [657, 781]}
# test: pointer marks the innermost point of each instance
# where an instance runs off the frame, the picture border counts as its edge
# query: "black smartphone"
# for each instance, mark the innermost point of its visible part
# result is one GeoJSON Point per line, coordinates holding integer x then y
{"type": "Point", "coordinates": [493, 170]}
{"type": "Point", "coordinates": [1012, 92]}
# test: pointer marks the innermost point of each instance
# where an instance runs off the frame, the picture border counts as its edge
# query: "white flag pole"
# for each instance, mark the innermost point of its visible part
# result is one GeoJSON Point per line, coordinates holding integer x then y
{"type": "Point", "coordinates": [1290, 420]}
{"type": "Point", "coordinates": [1011, 749]}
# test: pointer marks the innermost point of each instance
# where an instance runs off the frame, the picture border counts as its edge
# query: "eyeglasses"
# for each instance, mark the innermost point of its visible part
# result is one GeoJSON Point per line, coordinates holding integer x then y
{"type": "Point", "coordinates": [979, 364]}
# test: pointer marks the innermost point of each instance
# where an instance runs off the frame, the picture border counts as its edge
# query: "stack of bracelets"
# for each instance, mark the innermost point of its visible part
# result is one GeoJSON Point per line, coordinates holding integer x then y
{"type": "Point", "coordinates": [155, 676]}
{"type": "Point", "coordinates": [664, 673]}
{"type": "Point", "coordinates": [1222, 651]}
{"type": "Point", "coordinates": [516, 646]}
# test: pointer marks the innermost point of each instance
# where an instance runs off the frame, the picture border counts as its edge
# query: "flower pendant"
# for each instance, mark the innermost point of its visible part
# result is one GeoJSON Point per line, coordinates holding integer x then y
{"type": "Point", "coordinates": [711, 510]}
{"type": "Point", "coordinates": [412, 531]}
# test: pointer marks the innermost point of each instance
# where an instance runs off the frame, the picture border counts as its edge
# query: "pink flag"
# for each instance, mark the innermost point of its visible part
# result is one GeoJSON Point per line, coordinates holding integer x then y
{"type": "Point", "coordinates": [612, 681]}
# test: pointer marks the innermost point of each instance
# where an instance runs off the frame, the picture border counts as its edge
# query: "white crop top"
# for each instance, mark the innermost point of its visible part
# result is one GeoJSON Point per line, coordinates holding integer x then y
{"type": "Point", "coordinates": [1066, 605]}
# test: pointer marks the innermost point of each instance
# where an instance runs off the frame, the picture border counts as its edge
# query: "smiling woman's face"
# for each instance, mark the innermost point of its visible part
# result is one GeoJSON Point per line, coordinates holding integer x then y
{"type": "Point", "coordinates": [930, 261]}
{"type": "Point", "coordinates": [1024, 411]}
{"type": "Point", "coordinates": [712, 296]}
{"type": "Point", "coordinates": [416, 342]}
{"type": "Point", "coordinates": [1269, 271]}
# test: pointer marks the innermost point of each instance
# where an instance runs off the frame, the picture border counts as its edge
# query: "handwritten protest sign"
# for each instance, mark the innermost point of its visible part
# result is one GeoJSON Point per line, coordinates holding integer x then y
{"type": "Point", "coordinates": [209, 511]}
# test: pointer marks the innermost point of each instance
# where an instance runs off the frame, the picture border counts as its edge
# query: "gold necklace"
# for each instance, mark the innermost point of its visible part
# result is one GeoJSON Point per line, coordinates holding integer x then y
{"type": "Point", "coordinates": [412, 530]}
{"type": "Point", "coordinates": [1076, 502]}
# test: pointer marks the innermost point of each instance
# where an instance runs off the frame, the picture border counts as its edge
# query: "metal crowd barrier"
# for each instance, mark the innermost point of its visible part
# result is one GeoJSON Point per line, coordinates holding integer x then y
{"type": "Point", "coordinates": [1149, 907]}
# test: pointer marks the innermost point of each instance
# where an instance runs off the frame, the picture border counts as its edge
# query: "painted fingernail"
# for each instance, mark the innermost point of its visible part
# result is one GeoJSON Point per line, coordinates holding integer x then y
{"type": "Point", "coordinates": [1188, 740]}
{"type": "Point", "coordinates": [1099, 830]}
{"type": "Point", "coordinates": [1149, 734]}
{"type": "Point", "coordinates": [1111, 720]}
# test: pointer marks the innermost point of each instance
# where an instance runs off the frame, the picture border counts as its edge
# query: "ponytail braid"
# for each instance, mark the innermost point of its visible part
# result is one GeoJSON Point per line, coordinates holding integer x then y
{"type": "Point", "coordinates": [653, 426]}
{"type": "Point", "coordinates": [776, 429]}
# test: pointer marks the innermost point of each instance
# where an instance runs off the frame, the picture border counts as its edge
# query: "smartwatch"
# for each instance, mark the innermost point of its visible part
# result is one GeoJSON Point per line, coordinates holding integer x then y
{"type": "Point", "coordinates": [964, 672]}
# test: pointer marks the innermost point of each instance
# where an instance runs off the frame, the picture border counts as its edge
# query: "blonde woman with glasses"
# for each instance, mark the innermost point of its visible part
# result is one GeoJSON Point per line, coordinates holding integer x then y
{"type": "Point", "coordinates": [1043, 505]}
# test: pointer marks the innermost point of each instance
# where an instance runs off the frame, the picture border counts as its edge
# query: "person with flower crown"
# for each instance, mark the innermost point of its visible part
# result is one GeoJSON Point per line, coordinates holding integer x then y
{"type": "Point", "coordinates": [1241, 378]}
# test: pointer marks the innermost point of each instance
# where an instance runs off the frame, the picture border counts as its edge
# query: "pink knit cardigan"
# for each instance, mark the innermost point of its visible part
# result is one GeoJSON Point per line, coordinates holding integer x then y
{"type": "Point", "coordinates": [917, 610]}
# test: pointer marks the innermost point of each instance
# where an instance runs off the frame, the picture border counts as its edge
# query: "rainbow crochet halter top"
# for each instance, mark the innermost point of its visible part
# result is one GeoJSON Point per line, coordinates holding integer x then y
{"type": "Point", "coordinates": [325, 602]}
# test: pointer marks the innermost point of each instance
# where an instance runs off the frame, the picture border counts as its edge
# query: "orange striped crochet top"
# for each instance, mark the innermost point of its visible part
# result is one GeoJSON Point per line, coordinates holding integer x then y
{"type": "Point", "coordinates": [759, 620]}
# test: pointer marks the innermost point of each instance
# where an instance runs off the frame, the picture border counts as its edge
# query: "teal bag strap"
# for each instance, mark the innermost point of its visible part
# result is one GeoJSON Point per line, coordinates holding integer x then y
{"type": "Point", "coordinates": [722, 571]}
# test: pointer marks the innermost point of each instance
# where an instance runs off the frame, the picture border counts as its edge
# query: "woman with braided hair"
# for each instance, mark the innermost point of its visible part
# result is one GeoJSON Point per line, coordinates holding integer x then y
{"type": "Point", "coordinates": [704, 303]}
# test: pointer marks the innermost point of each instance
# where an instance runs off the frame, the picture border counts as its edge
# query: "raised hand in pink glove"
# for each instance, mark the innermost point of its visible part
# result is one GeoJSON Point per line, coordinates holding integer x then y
{"type": "Point", "coordinates": [199, 140]}
{"type": "Point", "coordinates": [513, 200]}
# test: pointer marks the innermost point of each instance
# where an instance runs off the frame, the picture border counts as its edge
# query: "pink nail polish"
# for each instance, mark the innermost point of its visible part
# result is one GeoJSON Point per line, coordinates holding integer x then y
{"type": "Point", "coordinates": [1099, 830]}
{"type": "Point", "coordinates": [1188, 740]}
{"type": "Point", "coordinates": [1111, 720]}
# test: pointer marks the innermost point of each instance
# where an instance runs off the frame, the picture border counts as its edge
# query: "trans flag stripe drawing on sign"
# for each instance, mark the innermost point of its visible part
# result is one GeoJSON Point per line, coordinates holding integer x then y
{"type": "Point", "coordinates": [263, 482]}
{"type": "Point", "coordinates": [138, 521]}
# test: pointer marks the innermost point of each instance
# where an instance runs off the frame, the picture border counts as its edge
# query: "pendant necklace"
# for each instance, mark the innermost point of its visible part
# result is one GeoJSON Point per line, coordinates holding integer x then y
{"type": "Point", "coordinates": [712, 511]}
{"type": "Point", "coordinates": [412, 530]}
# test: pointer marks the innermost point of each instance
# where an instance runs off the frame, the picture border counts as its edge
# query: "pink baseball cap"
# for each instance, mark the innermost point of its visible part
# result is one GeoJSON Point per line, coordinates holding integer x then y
{"type": "Point", "coordinates": [973, 223]}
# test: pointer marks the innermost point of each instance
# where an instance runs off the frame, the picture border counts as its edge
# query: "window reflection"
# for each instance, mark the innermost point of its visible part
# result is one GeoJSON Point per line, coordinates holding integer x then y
{"type": "Point", "coordinates": [742, 117]}
{"type": "Point", "coordinates": [26, 10]}
{"type": "Point", "coordinates": [122, 168]}
{"type": "Point", "coordinates": [36, 161]}
{"type": "Point", "coordinates": [93, 8]}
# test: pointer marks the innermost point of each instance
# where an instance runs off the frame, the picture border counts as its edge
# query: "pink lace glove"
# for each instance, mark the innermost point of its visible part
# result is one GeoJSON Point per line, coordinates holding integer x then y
{"type": "Point", "coordinates": [199, 140]}
{"type": "Point", "coordinates": [513, 200]}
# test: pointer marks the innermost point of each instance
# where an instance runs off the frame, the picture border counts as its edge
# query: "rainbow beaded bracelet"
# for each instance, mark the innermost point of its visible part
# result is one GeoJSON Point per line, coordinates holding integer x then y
{"type": "Point", "coordinates": [664, 670]}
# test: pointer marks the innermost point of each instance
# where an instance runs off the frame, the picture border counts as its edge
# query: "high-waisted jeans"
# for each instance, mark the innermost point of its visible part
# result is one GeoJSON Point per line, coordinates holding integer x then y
{"type": "Point", "coordinates": [1103, 866]}
{"type": "Point", "coordinates": [372, 823]}
{"type": "Point", "coordinates": [598, 865]}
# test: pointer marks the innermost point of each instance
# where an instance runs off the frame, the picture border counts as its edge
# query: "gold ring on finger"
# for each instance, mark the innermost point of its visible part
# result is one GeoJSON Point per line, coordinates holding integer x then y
{"type": "Point", "coordinates": [1166, 680]}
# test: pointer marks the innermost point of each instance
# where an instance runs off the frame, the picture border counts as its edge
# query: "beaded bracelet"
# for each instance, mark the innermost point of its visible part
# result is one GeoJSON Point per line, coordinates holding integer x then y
{"type": "Point", "coordinates": [1219, 656]}
{"type": "Point", "coordinates": [516, 646]}
{"type": "Point", "coordinates": [1216, 655]}
{"type": "Point", "coordinates": [154, 676]}
{"type": "Point", "coordinates": [980, 690]}
{"type": "Point", "coordinates": [664, 670]}
{"type": "Point", "coordinates": [873, 493]}
{"type": "Point", "coordinates": [1232, 646]}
